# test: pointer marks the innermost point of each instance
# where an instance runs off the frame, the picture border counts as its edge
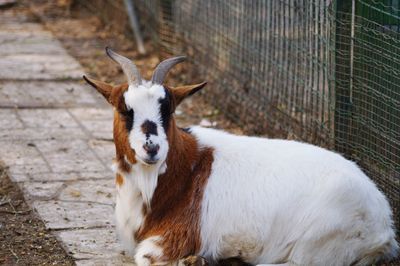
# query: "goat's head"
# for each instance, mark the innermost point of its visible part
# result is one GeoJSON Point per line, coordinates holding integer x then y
{"type": "Point", "coordinates": [143, 110]}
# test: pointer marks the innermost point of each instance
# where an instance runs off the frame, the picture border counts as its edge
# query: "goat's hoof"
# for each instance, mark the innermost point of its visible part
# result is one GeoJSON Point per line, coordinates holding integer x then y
{"type": "Point", "coordinates": [192, 261]}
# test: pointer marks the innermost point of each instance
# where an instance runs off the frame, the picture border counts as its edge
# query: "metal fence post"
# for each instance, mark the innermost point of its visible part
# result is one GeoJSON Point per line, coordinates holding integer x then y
{"type": "Point", "coordinates": [342, 125]}
{"type": "Point", "coordinates": [135, 25]}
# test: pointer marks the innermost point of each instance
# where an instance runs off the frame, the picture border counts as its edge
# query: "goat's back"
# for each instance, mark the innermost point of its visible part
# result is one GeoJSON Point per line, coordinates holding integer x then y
{"type": "Point", "coordinates": [276, 200]}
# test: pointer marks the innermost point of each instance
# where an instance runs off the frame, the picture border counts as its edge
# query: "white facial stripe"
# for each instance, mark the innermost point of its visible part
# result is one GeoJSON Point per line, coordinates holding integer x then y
{"type": "Point", "coordinates": [144, 100]}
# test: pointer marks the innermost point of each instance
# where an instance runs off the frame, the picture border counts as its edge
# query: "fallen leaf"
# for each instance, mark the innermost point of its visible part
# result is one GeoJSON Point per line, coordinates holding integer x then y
{"type": "Point", "coordinates": [75, 193]}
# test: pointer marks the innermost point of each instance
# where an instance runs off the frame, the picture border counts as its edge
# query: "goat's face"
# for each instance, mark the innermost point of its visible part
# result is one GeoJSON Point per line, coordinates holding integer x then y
{"type": "Point", "coordinates": [143, 111]}
{"type": "Point", "coordinates": [147, 116]}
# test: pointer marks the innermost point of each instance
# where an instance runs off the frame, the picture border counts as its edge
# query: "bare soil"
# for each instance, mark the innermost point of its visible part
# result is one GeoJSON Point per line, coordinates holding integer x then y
{"type": "Point", "coordinates": [24, 239]}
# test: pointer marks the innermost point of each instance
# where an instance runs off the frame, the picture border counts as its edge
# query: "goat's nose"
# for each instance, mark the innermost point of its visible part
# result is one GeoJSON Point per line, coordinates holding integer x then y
{"type": "Point", "coordinates": [151, 148]}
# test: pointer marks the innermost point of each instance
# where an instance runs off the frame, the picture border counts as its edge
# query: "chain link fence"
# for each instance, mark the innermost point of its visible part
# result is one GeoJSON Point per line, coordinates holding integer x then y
{"type": "Point", "coordinates": [322, 71]}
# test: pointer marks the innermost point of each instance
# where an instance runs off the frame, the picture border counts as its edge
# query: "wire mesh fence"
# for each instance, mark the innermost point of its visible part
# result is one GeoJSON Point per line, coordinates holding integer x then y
{"type": "Point", "coordinates": [367, 111]}
{"type": "Point", "coordinates": [267, 72]}
{"type": "Point", "coordinates": [321, 71]}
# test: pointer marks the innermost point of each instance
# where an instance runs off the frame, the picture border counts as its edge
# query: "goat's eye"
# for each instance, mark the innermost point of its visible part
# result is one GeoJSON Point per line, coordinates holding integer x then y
{"type": "Point", "coordinates": [165, 110]}
{"type": "Point", "coordinates": [127, 112]}
{"type": "Point", "coordinates": [128, 115]}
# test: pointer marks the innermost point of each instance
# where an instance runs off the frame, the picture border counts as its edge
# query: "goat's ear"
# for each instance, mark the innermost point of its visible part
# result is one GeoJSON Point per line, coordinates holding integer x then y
{"type": "Point", "coordinates": [182, 92]}
{"type": "Point", "coordinates": [102, 87]}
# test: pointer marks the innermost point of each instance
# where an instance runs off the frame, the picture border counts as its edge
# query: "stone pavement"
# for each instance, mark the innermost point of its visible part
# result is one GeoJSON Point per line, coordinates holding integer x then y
{"type": "Point", "coordinates": [56, 141]}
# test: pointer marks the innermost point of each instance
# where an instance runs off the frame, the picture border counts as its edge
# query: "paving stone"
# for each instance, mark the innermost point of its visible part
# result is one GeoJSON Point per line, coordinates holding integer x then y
{"type": "Point", "coordinates": [54, 176]}
{"type": "Point", "coordinates": [41, 190]}
{"type": "Point", "coordinates": [98, 244]}
{"type": "Point", "coordinates": [96, 191]}
{"type": "Point", "coordinates": [9, 119]}
{"type": "Point", "coordinates": [36, 66]}
{"type": "Point", "coordinates": [9, 33]}
{"type": "Point", "coordinates": [42, 134]}
{"type": "Point", "coordinates": [29, 27]}
{"type": "Point", "coordinates": [97, 114]}
{"type": "Point", "coordinates": [100, 129]}
{"type": "Point", "coordinates": [104, 149]}
{"type": "Point", "coordinates": [53, 141]}
{"type": "Point", "coordinates": [40, 118]}
{"type": "Point", "coordinates": [19, 177]}
{"type": "Point", "coordinates": [70, 176]}
{"type": "Point", "coordinates": [118, 260]}
{"type": "Point", "coordinates": [19, 42]}
{"type": "Point", "coordinates": [62, 215]}
{"type": "Point", "coordinates": [68, 156]}
{"type": "Point", "coordinates": [106, 135]}
{"type": "Point", "coordinates": [22, 157]}
{"type": "Point", "coordinates": [100, 191]}
{"type": "Point", "coordinates": [107, 174]}
{"type": "Point", "coordinates": [98, 121]}
{"type": "Point", "coordinates": [19, 153]}
{"type": "Point", "coordinates": [27, 169]}
{"type": "Point", "coordinates": [48, 94]}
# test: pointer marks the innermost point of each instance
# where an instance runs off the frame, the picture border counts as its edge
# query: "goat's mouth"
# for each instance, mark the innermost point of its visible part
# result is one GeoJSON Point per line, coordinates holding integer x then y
{"type": "Point", "coordinates": [150, 161]}
{"type": "Point", "coordinates": [147, 161]}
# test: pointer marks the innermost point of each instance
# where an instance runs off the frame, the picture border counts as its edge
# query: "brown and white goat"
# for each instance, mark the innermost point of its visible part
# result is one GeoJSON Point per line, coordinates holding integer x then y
{"type": "Point", "coordinates": [205, 192]}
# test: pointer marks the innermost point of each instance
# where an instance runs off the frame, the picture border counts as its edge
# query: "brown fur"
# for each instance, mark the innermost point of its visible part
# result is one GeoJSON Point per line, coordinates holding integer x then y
{"type": "Point", "coordinates": [182, 92]}
{"type": "Point", "coordinates": [119, 180]}
{"type": "Point", "coordinates": [122, 147]}
{"type": "Point", "coordinates": [114, 95]}
{"type": "Point", "coordinates": [176, 203]}
{"type": "Point", "coordinates": [175, 209]}
{"type": "Point", "coordinates": [102, 87]}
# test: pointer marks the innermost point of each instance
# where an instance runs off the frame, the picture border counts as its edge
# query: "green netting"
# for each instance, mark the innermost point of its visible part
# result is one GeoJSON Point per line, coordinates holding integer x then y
{"type": "Point", "coordinates": [321, 71]}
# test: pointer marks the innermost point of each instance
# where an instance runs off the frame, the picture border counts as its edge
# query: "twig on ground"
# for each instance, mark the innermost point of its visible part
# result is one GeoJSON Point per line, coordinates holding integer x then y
{"type": "Point", "coordinates": [14, 254]}
{"type": "Point", "coordinates": [3, 202]}
{"type": "Point", "coordinates": [16, 212]}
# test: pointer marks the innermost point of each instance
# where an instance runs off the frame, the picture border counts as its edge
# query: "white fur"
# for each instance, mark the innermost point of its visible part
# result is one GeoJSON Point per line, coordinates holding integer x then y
{"type": "Point", "coordinates": [128, 213]}
{"type": "Point", "coordinates": [267, 201]}
{"type": "Point", "coordinates": [279, 201]}
{"type": "Point", "coordinates": [143, 100]}
{"type": "Point", "coordinates": [139, 185]}
{"type": "Point", "coordinates": [138, 188]}
{"type": "Point", "coordinates": [148, 247]}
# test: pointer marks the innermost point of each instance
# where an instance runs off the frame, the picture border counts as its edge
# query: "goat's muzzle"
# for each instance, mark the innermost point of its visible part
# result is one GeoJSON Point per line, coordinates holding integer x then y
{"type": "Point", "coordinates": [152, 150]}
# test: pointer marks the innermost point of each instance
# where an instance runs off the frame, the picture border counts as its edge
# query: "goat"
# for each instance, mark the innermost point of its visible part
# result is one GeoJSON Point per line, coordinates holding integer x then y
{"type": "Point", "coordinates": [204, 192]}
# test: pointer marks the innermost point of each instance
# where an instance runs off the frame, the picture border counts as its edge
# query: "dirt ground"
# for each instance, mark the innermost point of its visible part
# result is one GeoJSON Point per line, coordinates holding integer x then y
{"type": "Point", "coordinates": [24, 240]}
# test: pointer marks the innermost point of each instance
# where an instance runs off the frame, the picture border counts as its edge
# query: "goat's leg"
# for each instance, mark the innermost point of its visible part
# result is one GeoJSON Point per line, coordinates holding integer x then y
{"type": "Point", "coordinates": [192, 261]}
{"type": "Point", "coordinates": [148, 252]}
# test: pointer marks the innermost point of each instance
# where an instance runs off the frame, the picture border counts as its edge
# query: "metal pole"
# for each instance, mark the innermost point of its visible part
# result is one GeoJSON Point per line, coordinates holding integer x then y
{"type": "Point", "coordinates": [135, 25]}
{"type": "Point", "coordinates": [353, 14]}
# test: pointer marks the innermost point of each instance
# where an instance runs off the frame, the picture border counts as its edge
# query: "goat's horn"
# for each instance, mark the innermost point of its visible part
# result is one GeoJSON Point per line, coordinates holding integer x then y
{"type": "Point", "coordinates": [162, 69]}
{"type": "Point", "coordinates": [129, 68]}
